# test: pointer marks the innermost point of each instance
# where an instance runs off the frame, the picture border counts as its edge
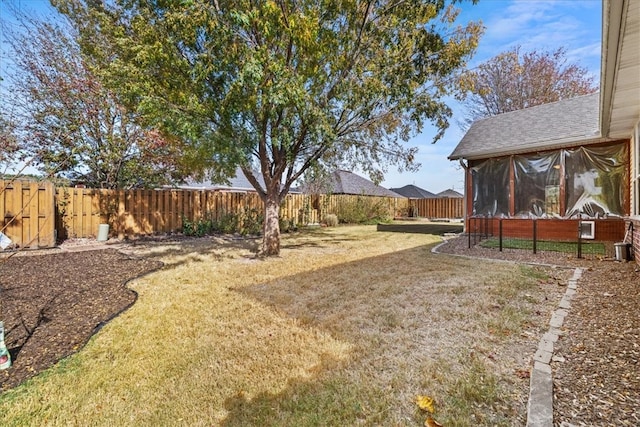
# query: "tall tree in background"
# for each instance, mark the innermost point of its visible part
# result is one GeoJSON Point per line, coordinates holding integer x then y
{"type": "Point", "coordinates": [69, 122]}
{"type": "Point", "coordinates": [513, 80]}
{"type": "Point", "coordinates": [9, 147]}
{"type": "Point", "coordinates": [277, 86]}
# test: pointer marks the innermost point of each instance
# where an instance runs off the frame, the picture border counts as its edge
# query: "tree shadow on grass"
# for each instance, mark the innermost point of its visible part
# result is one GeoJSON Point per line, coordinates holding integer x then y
{"type": "Point", "coordinates": [325, 400]}
{"type": "Point", "coordinates": [366, 304]}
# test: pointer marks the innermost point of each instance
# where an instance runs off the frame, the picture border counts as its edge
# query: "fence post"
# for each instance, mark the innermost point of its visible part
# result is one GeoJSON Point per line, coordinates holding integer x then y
{"type": "Point", "coordinates": [500, 232]}
{"type": "Point", "coordinates": [535, 235]}
{"type": "Point", "coordinates": [579, 238]}
{"type": "Point", "coordinates": [469, 222]}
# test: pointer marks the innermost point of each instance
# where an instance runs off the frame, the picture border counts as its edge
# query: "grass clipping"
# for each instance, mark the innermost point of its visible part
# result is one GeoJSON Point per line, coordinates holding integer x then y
{"type": "Point", "coordinates": [344, 328]}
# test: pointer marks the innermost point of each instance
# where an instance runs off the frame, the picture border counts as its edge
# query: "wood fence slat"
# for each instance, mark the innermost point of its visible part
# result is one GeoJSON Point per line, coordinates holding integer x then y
{"type": "Point", "coordinates": [34, 228]}
{"type": "Point", "coordinates": [26, 213]}
{"type": "Point", "coordinates": [47, 216]}
{"type": "Point", "coordinates": [15, 227]}
{"type": "Point", "coordinates": [4, 191]}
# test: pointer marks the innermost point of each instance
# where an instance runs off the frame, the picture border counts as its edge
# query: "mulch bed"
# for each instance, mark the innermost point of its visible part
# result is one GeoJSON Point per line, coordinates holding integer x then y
{"type": "Point", "coordinates": [52, 304]}
{"type": "Point", "coordinates": [597, 374]}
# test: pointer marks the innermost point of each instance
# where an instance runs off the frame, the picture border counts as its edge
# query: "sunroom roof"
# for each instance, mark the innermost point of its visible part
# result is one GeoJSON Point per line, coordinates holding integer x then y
{"type": "Point", "coordinates": [559, 124]}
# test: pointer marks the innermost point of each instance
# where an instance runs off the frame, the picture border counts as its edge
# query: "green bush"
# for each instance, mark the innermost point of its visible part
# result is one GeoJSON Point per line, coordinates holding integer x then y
{"type": "Point", "coordinates": [248, 222]}
{"type": "Point", "coordinates": [198, 228]}
{"type": "Point", "coordinates": [251, 222]}
{"type": "Point", "coordinates": [287, 225]}
{"type": "Point", "coordinates": [363, 210]}
{"type": "Point", "coordinates": [227, 224]}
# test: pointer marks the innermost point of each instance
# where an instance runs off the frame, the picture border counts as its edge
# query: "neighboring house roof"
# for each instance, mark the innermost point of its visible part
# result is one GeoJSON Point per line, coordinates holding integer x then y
{"type": "Point", "coordinates": [413, 192]}
{"type": "Point", "coordinates": [564, 123]}
{"type": "Point", "coordinates": [238, 183]}
{"type": "Point", "coordinates": [620, 70]}
{"type": "Point", "coordinates": [449, 194]}
{"type": "Point", "coordinates": [345, 182]}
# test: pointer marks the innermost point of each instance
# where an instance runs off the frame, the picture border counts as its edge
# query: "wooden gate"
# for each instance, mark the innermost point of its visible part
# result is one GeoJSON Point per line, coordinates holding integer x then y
{"type": "Point", "coordinates": [27, 213]}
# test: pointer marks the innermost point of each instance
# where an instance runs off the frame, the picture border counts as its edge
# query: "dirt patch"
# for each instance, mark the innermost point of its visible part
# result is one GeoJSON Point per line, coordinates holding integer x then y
{"type": "Point", "coordinates": [52, 304]}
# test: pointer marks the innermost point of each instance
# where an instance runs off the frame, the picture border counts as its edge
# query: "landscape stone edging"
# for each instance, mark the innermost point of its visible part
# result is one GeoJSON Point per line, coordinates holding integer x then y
{"type": "Point", "coordinates": [540, 404]}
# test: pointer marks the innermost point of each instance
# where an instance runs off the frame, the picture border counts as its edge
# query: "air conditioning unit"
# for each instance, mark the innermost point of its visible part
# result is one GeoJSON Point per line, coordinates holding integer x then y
{"type": "Point", "coordinates": [587, 229]}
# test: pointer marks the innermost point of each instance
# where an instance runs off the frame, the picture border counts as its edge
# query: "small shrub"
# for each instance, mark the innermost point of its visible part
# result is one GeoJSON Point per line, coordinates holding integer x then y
{"type": "Point", "coordinates": [363, 210]}
{"type": "Point", "coordinates": [227, 224]}
{"type": "Point", "coordinates": [251, 222]}
{"type": "Point", "coordinates": [287, 225]}
{"type": "Point", "coordinates": [331, 220]}
{"type": "Point", "coordinates": [198, 228]}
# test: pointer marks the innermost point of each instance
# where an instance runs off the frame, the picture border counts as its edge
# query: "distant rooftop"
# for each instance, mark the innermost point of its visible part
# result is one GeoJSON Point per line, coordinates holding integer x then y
{"type": "Point", "coordinates": [413, 192]}
{"type": "Point", "coordinates": [238, 183]}
{"type": "Point", "coordinates": [449, 194]}
{"type": "Point", "coordinates": [345, 182]}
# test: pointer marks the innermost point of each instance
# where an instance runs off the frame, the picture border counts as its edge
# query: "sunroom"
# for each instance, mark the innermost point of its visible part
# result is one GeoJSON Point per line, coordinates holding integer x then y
{"type": "Point", "coordinates": [547, 164]}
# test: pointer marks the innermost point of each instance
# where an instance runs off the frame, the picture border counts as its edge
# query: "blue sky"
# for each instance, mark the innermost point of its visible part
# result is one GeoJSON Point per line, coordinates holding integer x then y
{"type": "Point", "coordinates": [544, 25]}
{"type": "Point", "coordinates": [532, 24]}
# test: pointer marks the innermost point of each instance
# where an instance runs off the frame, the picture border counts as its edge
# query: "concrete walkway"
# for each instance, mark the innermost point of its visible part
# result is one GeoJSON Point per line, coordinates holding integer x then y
{"type": "Point", "coordinates": [540, 406]}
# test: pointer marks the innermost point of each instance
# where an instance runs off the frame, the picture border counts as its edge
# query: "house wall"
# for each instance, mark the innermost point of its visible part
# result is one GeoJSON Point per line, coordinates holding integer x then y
{"type": "Point", "coordinates": [635, 191]}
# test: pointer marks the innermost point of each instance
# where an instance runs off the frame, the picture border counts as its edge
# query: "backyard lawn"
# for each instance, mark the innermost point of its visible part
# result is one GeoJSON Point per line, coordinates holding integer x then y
{"type": "Point", "coordinates": [345, 328]}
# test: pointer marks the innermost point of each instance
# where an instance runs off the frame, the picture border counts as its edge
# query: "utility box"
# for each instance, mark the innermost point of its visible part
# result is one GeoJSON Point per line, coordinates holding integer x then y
{"type": "Point", "coordinates": [623, 251]}
{"type": "Point", "coordinates": [103, 232]}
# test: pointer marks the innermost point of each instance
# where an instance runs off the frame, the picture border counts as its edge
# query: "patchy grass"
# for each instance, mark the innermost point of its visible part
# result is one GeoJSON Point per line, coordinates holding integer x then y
{"type": "Point", "coordinates": [594, 248]}
{"type": "Point", "coordinates": [346, 327]}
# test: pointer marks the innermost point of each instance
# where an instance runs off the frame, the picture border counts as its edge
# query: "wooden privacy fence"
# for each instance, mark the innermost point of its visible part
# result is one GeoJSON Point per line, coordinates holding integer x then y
{"type": "Point", "coordinates": [139, 212]}
{"type": "Point", "coordinates": [437, 208]}
{"type": "Point", "coordinates": [27, 213]}
{"type": "Point", "coordinates": [34, 214]}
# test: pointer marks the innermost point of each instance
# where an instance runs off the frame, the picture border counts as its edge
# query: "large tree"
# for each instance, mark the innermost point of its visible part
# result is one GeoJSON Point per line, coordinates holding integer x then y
{"type": "Point", "coordinates": [279, 86]}
{"type": "Point", "coordinates": [514, 80]}
{"type": "Point", "coordinates": [68, 122]}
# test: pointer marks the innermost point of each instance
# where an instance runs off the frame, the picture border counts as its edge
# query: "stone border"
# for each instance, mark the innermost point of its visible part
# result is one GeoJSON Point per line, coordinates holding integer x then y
{"type": "Point", "coordinates": [540, 406]}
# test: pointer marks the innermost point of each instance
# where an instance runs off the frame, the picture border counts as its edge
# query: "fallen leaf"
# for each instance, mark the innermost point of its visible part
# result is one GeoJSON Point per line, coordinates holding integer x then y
{"type": "Point", "coordinates": [425, 403]}
{"type": "Point", "coordinates": [430, 422]}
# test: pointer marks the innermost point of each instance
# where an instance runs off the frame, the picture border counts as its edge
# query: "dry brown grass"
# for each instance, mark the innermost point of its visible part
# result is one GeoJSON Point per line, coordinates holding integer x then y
{"type": "Point", "coordinates": [345, 328]}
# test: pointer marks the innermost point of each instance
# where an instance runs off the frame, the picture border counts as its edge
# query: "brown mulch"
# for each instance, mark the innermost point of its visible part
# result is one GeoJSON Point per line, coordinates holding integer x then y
{"type": "Point", "coordinates": [51, 304]}
{"type": "Point", "coordinates": [597, 376]}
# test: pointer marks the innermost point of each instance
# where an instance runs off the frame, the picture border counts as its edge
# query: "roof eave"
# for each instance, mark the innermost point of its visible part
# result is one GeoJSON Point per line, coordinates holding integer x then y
{"type": "Point", "coordinates": [612, 18]}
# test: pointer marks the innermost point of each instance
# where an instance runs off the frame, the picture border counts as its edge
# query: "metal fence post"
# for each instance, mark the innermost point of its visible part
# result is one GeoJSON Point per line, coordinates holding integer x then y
{"type": "Point", "coordinates": [580, 238]}
{"type": "Point", "coordinates": [500, 231]}
{"type": "Point", "coordinates": [535, 236]}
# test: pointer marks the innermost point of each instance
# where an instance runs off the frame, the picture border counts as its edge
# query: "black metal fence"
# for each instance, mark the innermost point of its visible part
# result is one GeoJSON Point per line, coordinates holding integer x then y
{"type": "Point", "coordinates": [582, 238]}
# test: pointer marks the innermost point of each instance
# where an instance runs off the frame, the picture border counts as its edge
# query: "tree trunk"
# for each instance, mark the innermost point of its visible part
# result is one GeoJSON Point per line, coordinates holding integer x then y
{"type": "Point", "coordinates": [271, 230]}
